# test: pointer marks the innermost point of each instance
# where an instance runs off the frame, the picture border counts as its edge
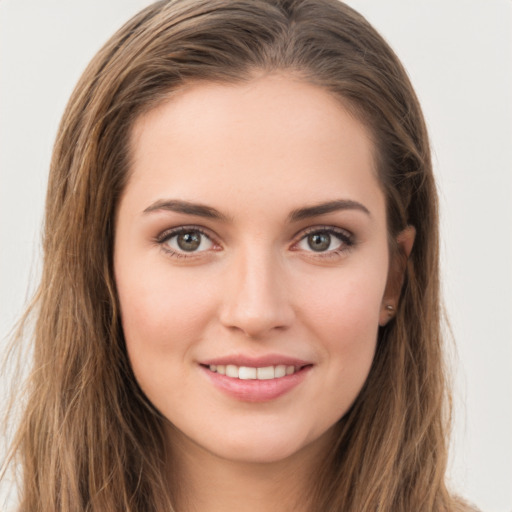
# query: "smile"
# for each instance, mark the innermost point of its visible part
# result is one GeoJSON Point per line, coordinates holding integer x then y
{"type": "Point", "coordinates": [259, 380]}
{"type": "Point", "coordinates": [252, 373]}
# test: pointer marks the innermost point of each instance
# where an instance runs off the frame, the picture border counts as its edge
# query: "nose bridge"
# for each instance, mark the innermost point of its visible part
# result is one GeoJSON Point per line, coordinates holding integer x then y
{"type": "Point", "coordinates": [256, 299]}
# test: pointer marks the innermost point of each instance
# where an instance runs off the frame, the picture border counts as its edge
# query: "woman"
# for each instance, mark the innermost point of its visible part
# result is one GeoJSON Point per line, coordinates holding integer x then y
{"type": "Point", "coordinates": [240, 302]}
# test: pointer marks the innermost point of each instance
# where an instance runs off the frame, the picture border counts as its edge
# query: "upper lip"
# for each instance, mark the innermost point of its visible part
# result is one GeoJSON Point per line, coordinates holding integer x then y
{"type": "Point", "coordinates": [256, 362]}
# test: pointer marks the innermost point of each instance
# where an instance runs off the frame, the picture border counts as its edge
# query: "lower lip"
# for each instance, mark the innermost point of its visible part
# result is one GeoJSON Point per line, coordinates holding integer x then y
{"type": "Point", "coordinates": [253, 390]}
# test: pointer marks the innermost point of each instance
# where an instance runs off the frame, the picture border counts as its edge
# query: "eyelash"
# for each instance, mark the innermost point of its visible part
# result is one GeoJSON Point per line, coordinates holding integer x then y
{"type": "Point", "coordinates": [167, 235]}
{"type": "Point", "coordinates": [344, 236]}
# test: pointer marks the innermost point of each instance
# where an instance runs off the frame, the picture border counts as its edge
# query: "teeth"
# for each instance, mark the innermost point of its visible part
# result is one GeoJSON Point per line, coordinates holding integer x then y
{"type": "Point", "coordinates": [266, 373]}
{"type": "Point", "coordinates": [246, 373]}
{"type": "Point", "coordinates": [232, 371]}
{"type": "Point", "coordinates": [280, 371]}
{"type": "Point", "coordinates": [250, 373]}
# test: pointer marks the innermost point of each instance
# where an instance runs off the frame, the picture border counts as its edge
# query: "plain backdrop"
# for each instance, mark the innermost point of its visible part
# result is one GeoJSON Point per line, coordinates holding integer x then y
{"type": "Point", "coordinates": [459, 56]}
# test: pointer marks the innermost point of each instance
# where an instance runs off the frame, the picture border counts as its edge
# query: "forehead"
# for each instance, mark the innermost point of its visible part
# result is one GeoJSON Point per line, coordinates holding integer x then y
{"type": "Point", "coordinates": [275, 137]}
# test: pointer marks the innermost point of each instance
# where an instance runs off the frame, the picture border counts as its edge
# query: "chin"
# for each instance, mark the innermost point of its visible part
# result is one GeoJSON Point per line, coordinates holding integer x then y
{"type": "Point", "coordinates": [262, 445]}
{"type": "Point", "coordinates": [261, 452]}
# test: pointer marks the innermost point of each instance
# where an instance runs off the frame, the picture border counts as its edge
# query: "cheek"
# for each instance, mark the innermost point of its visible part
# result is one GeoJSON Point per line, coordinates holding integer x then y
{"type": "Point", "coordinates": [156, 299]}
{"type": "Point", "coordinates": [346, 302]}
{"type": "Point", "coordinates": [343, 314]}
{"type": "Point", "coordinates": [163, 316]}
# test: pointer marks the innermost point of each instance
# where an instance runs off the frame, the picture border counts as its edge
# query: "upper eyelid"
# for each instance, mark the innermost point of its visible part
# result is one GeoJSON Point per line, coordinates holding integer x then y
{"type": "Point", "coordinates": [322, 229]}
{"type": "Point", "coordinates": [170, 232]}
{"type": "Point", "coordinates": [345, 236]}
{"type": "Point", "coordinates": [166, 235]}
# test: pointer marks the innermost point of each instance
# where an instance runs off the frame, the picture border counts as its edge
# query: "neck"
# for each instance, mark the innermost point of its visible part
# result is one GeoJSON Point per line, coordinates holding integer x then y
{"type": "Point", "coordinates": [203, 482]}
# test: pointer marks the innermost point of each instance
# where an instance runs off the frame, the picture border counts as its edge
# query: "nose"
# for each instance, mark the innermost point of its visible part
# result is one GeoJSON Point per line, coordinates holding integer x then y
{"type": "Point", "coordinates": [256, 296]}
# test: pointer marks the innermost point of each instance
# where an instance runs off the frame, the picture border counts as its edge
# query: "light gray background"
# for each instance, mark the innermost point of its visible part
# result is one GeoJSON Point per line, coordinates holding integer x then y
{"type": "Point", "coordinates": [459, 56]}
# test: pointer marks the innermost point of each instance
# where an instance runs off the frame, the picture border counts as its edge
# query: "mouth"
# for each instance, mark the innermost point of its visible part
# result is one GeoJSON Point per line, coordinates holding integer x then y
{"type": "Point", "coordinates": [256, 380]}
{"type": "Point", "coordinates": [255, 373]}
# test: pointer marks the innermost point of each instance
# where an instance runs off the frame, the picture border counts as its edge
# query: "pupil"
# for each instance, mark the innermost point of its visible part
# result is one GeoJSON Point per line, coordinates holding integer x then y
{"type": "Point", "coordinates": [189, 241]}
{"type": "Point", "coordinates": [319, 241]}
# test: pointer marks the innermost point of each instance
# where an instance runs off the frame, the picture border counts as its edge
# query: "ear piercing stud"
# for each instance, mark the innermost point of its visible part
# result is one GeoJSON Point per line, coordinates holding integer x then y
{"type": "Point", "coordinates": [390, 309]}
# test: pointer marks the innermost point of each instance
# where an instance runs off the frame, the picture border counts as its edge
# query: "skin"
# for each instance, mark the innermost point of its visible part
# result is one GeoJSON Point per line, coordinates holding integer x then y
{"type": "Point", "coordinates": [255, 152]}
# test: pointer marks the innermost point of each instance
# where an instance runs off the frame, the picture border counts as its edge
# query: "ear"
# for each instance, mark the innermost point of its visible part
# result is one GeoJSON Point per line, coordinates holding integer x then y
{"type": "Point", "coordinates": [397, 266]}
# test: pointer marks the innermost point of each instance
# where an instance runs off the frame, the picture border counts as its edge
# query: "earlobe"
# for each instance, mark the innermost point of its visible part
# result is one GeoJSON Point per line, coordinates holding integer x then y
{"type": "Point", "coordinates": [387, 312]}
{"type": "Point", "coordinates": [397, 267]}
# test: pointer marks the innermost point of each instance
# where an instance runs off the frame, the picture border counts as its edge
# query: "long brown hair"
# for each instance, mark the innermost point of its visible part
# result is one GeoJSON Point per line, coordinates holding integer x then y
{"type": "Point", "coordinates": [89, 440]}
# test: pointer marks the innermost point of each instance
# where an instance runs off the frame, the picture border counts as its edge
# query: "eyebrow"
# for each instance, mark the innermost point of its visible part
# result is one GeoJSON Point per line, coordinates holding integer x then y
{"type": "Point", "coordinates": [175, 205]}
{"type": "Point", "coordinates": [328, 207]}
{"type": "Point", "coordinates": [189, 208]}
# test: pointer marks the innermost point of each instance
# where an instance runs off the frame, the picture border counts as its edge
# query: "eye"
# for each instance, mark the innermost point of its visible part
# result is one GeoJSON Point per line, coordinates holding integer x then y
{"type": "Point", "coordinates": [185, 240]}
{"type": "Point", "coordinates": [326, 240]}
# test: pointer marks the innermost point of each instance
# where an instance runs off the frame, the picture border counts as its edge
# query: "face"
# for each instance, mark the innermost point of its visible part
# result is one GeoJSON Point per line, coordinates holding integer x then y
{"type": "Point", "coordinates": [251, 261]}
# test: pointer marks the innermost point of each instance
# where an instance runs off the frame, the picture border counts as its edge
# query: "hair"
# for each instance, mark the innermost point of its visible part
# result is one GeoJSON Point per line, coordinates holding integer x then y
{"type": "Point", "coordinates": [88, 439]}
